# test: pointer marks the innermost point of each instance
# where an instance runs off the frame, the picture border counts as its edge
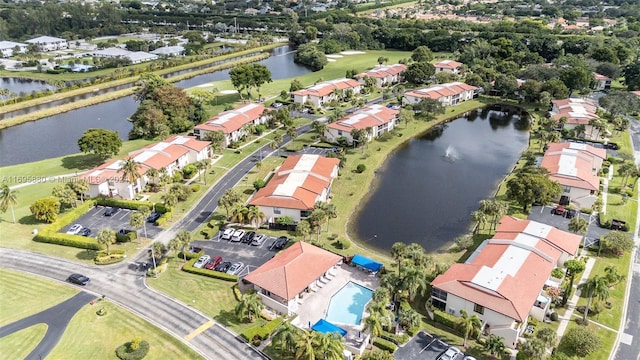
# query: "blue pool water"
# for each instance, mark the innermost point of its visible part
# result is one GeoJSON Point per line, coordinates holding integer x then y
{"type": "Point", "coordinates": [347, 305]}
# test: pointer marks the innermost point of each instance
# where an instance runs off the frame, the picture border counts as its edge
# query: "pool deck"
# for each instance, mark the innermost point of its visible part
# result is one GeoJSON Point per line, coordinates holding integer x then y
{"type": "Point", "coordinates": [315, 304]}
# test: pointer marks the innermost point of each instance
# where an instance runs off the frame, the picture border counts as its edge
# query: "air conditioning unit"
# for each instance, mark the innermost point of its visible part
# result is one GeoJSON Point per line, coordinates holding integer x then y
{"type": "Point", "coordinates": [452, 311]}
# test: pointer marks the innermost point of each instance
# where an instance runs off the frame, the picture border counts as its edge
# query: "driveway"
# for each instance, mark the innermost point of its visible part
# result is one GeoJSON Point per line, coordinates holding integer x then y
{"type": "Point", "coordinates": [542, 214]}
{"type": "Point", "coordinates": [422, 347]}
{"type": "Point", "coordinates": [95, 220]}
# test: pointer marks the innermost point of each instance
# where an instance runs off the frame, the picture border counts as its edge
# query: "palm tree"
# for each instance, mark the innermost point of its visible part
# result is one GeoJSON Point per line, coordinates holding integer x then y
{"type": "Point", "coordinates": [612, 275]}
{"type": "Point", "coordinates": [130, 173]}
{"type": "Point", "coordinates": [285, 337]}
{"type": "Point", "coordinates": [398, 252]}
{"type": "Point", "coordinates": [8, 198]}
{"type": "Point", "coordinates": [184, 237]}
{"type": "Point", "coordinates": [293, 134]}
{"type": "Point", "coordinates": [408, 317]}
{"type": "Point", "coordinates": [145, 211]}
{"type": "Point", "coordinates": [200, 165]}
{"type": "Point", "coordinates": [305, 346]}
{"type": "Point", "coordinates": [574, 267]}
{"type": "Point", "coordinates": [152, 175]}
{"type": "Point", "coordinates": [329, 346]}
{"type": "Point", "coordinates": [494, 345]}
{"type": "Point", "coordinates": [239, 213]}
{"type": "Point", "coordinates": [174, 245]}
{"type": "Point", "coordinates": [598, 287]}
{"type": "Point", "coordinates": [468, 325]}
{"type": "Point", "coordinates": [137, 221]}
{"type": "Point", "coordinates": [548, 336]}
{"type": "Point", "coordinates": [303, 229]}
{"type": "Point", "coordinates": [480, 218]}
{"type": "Point", "coordinates": [249, 306]}
{"type": "Point", "coordinates": [106, 237]}
{"type": "Point", "coordinates": [414, 279]}
{"type": "Point", "coordinates": [534, 348]}
{"type": "Point", "coordinates": [163, 174]}
{"type": "Point", "coordinates": [578, 225]}
{"type": "Point", "coordinates": [373, 323]}
{"type": "Point", "coordinates": [158, 249]}
{"type": "Point", "coordinates": [255, 216]}
{"type": "Point", "coordinates": [169, 200]}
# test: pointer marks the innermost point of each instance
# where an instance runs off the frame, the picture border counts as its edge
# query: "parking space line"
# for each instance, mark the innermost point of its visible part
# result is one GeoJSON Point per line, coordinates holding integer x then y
{"type": "Point", "coordinates": [199, 330]}
{"type": "Point", "coordinates": [124, 214]}
{"type": "Point", "coordinates": [426, 347]}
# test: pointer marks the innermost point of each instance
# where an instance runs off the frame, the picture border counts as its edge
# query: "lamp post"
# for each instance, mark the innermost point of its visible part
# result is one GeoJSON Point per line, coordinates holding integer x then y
{"type": "Point", "coordinates": [153, 257]}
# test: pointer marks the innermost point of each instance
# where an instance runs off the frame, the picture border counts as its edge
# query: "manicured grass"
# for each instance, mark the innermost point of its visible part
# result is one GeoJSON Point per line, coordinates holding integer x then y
{"type": "Point", "coordinates": [90, 336]}
{"type": "Point", "coordinates": [24, 295]}
{"type": "Point", "coordinates": [21, 343]}
{"type": "Point", "coordinates": [211, 296]}
{"type": "Point", "coordinates": [607, 337]}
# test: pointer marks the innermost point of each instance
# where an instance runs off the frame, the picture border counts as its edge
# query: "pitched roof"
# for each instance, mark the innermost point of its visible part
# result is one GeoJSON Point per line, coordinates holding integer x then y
{"type": "Point", "coordinates": [10, 44]}
{"type": "Point", "coordinates": [594, 151]}
{"type": "Point", "coordinates": [383, 71]}
{"type": "Point", "coordinates": [290, 272]}
{"type": "Point", "coordinates": [576, 111]}
{"type": "Point", "coordinates": [109, 171]}
{"type": "Point", "coordinates": [190, 142]}
{"type": "Point", "coordinates": [44, 40]}
{"type": "Point", "coordinates": [298, 182]}
{"type": "Point", "coordinates": [507, 272]}
{"type": "Point", "coordinates": [372, 115]}
{"type": "Point", "coordinates": [448, 64]}
{"type": "Point", "coordinates": [571, 167]}
{"type": "Point", "coordinates": [601, 77]}
{"type": "Point", "coordinates": [327, 87]}
{"type": "Point", "coordinates": [442, 90]}
{"type": "Point", "coordinates": [232, 120]}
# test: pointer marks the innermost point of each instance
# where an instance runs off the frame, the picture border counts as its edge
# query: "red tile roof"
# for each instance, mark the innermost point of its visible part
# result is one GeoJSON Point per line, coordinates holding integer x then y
{"type": "Point", "coordinates": [594, 151]}
{"type": "Point", "coordinates": [448, 64]}
{"type": "Point", "coordinates": [298, 183]}
{"type": "Point", "coordinates": [369, 116]}
{"type": "Point", "coordinates": [571, 167]}
{"type": "Point", "coordinates": [290, 272]}
{"type": "Point", "coordinates": [601, 77]}
{"type": "Point", "coordinates": [191, 142]}
{"type": "Point", "coordinates": [109, 171]}
{"type": "Point", "coordinates": [576, 111]}
{"type": "Point", "coordinates": [442, 90]}
{"type": "Point", "coordinates": [383, 71]}
{"type": "Point", "coordinates": [327, 87]}
{"type": "Point", "coordinates": [232, 120]}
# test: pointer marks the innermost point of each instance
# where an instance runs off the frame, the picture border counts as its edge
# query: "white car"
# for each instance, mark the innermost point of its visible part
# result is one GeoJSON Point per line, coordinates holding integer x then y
{"type": "Point", "coordinates": [452, 353]}
{"type": "Point", "coordinates": [235, 268]}
{"type": "Point", "coordinates": [75, 229]}
{"type": "Point", "coordinates": [226, 235]}
{"type": "Point", "coordinates": [469, 358]}
{"type": "Point", "coordinates": [202, 261]}
{"type": "Point", "coordinates": [259, 239]}
{"type": "Point", "coordinates": [237, 236]}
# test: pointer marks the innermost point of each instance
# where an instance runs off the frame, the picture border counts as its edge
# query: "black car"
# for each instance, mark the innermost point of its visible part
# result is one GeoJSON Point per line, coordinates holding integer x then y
{"type": "Point", "coordinates": [612, 146]}
{"type": "Point", "coordinates": [248, 237]}
{"type": "Point", "coordinates": [570, 213]}
{"type": "Point", "coordinates": [154, 217]}
{"type": "Point", "coordinates": [223, 267]}
{"type": "Point", "coordinates": [85, 232]}
{"type": "Point", "coordinates": [281, 242]}
{"type": "Point", "coordinates": [110, 211]}
{"type": "Point", "coordinates": [78, 279]}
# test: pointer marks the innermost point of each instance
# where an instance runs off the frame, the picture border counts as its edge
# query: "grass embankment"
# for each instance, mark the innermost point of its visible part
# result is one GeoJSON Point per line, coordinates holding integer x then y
{"type": "Point", "coordinates": [21, 343]}
{"type": "Point", "coordinates": [90, 336]}
{"type": "Point", "coordinates": [21, 298]}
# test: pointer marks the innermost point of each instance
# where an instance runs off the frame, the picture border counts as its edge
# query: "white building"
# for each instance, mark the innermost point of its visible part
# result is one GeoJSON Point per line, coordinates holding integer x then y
{"type": "Point", "coordinates": [48, 43]}
{"type": "Point", "coordinates": [325, 91]}
{"type": "Point", "coordinates": [448, 94]}
{"type": "Point", "coordinates": [136, 57]}
{"type": "Point", "coordinates": [7, 48]}
{"type": "Point", "coordinates": [575, 111]}
{"type": "Point", "coordinates": [449, 66]}
{"type": "Point", "coordinates": [377, 118]}
{"type": "Point", "coordinates": [384, 75]}
{"type": "Point", "coordinates": [233, 123]}
{"type": "Point", "coordinates": [601, 82]}
{"type": "Point", "coordinates": [167, 51]}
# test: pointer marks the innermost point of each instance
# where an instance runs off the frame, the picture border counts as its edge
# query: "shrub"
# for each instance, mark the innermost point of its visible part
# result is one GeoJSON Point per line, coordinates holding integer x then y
{"type": "Point", "coordinates": [177, 177]}
{"type": "Point", "coordinates": [68, 217]}
{"type": "Point", "coordinates": [162, 208]}
{"type": "Point", "coordinates": [76, 241]}
{"type": "Point", "coordinates": [396, 339]}
{"type": "Point", "coordinates": [258, 184]}
{"type": "Point", "coordinates": [261, 332]}
{"type": "Point", "coordinates": [164, 218]}
{"type": "Point", "coordinates": [553, 316]}
{"type": "Point", "coordinates": [125, 204]}
{"type": "Point", "coordinates": [294, 147]}
{"type": "Point", "coordinates": [101, 312]}
{"type": "Point", "coordinates": [195, 187]}
{"type": "Point", "coordinates": [189, 171]}
{"type": "Point", "coordinates": [237, 293]}
{"type": "Point", "coordinates": [413, 331]}
{"type": "Point", "coordinates": [342, 244]}
{"type": "Point", "coordinates": [557, 273]}
{"type": "Point", "coordinates": [385, 345]}
{"type": "Point", "coordinates": [361, 168]}
{"type": "Point", "coordinates": [127, 236]}
{"type": "Point", "coordinates": [109, 259]}
{"type": "Point", "coordinates": [445, 319]}
{"type": "Point", "coordinates": [188, 267]}
{"type": "Point", "coordinates": [587, 211]}
{"type": "Point", "coordinates": [581, 341]}
{"type": "Point", "coordinates": [133, 350]}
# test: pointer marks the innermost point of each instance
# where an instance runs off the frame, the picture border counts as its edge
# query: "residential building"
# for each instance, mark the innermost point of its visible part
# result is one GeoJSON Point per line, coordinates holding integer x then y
{"type": "Point", "coordinates": [384, 75]}
{"type": "Point", "coordinates": [325, 91]}
{"type": "Point", "coordinates": [449, 66]}
{"type": "Point", "coordinates": [136, 57]}
{"type": "Point", "coordinates": [377, 118]}
{"type": "Point", "coordinates": [167, 51]}
{"type": "Point", "coordinates": [108, 180]}
{"type": "Point", "coordinates": [448, 94]}
{"type": "Point", "coordinates": [575, 111]}
{"type": "Point", "coordinates": [233, 123]}
{"type": "Point", "coordinates": [48, 43]}
{"type": "Point", "coordinates": [575, 167]}
{"type": "Point", "coordinates": [601, 82]}
{"type": "Point", "coordinates": [296, 186]}
{"type": "Point", "coordinates": [504, 280]}
{"type": "Point", "coordinates": [284, 279]}
{"type": "Point", "coordinates": [7, 48]}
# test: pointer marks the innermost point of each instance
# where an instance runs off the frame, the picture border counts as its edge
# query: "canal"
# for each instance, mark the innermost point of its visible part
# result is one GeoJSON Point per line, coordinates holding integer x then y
{"type": "Point", "coordinates": [58, 135]}
{"type": "Point", "coordinates": [427, 189]}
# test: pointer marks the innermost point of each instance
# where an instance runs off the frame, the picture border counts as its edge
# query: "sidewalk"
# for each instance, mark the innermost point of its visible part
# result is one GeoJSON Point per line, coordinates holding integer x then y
{"type": "Point", "coordinates": [571, 304]}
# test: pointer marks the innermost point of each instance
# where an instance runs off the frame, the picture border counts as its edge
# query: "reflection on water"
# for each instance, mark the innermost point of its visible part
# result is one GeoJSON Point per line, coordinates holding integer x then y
{"type": "Point", "coordinates": [23, 86]}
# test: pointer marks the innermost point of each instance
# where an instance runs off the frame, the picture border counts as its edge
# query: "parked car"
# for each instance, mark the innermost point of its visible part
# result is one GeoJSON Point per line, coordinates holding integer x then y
{"type": "Point", "coordinates": [74, 229]}
{"type": "Point", "coordinates": [154, 217]}
{"type": "Point", "coordinates": [110, 211]}
{"type": "Point", "coordinates": [276, 105]}
{"type": "Point", "coordinates": [469, 358]}
{"type": "Point", "coordinates": [202, 261]}
{"type": "Point", "coordinates": [612, 146]}
{"type": "Point", "coordinates": [237, 236]}
{"type": "Point", "coordinates": [85, 232]}
{"type": "Point", "coordinates": [235, 268]}
{"type": "Point", "coordinates": [559, 210]}
{"type": "Point", "coordinates": [78, 279]}
{"type": "Point", "coordinates": [248, 237]}
{"type": "Point", "coordinates": [452, 353]}
{"type": "Point", "coordinates": [570, 213]}
{"type": "Point", "coordinates": [228, 233]}
{"type": "Point", "coordinates": [223, 267]}
{"type": "Point", "coordinates": [259, 239]}
{"type": "Point", "coordinates": [281, 242]}
{"type": "Point", "coordinates": [619, 225]}
{"type": "Point", "coordinates": [215, 261]}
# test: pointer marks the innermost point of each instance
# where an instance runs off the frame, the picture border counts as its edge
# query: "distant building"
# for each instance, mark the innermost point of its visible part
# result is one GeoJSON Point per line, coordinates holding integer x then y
{"type": "Point", "coordinates": [379, 119]}
{"type": "Point", "coordinates": [325, 91]}
{"type": "Point", "coordinates": [449, 66]}
{"type": "Point", "coordinates": [448, 94]}
{"type": "Point", "coordinates": [601, 82]}
{"type": "Point", "coordinates": [7, 48]}
{"type": "Point", "coordinates": [48, 43]}
{"type": "Point", "coordinates": [166, 51]}
{"type": "Point", "coordinates": [233, 123]}
{"type": "Point", "coordinates": [136, 57]}
{"type": "Point", "coordinates": [576, 111]}
{"type": "Point", "coordinates": [384, 75]}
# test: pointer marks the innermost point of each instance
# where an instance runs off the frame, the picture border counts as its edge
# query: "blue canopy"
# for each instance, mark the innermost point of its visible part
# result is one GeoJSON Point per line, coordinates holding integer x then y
{"type": "Point", "coordinates": [323, 326]}
{"type": "Point", "coordinates": [366, 263]}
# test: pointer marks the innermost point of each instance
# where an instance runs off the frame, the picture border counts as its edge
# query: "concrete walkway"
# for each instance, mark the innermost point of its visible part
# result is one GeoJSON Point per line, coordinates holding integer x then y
{"type": "Point", "coordinates": [571, 304]}
{"type": "Point", "coordinates": [56, 318]}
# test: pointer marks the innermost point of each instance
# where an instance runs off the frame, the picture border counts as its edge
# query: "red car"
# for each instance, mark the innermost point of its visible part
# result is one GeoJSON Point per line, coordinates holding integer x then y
{"type": "Point", "coordinates": [559, 210]}
{"type": "Point", "coordinates": [215, 261]}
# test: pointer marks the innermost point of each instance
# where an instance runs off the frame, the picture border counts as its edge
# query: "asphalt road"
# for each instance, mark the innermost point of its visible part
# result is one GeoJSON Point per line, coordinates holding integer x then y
{"type": "Point", "coordinates": [124, 285]}
{"type": "Point", "coordinates": [56, 318]}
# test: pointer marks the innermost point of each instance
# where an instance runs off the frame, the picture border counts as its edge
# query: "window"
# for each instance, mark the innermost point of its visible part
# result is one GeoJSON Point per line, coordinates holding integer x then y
{"type": "Point", "coordinates": [566, 189]}
{"type": "Point", "coordinates": [277, 211]}
{"type": "Point", "coordinates": [305, 213]}
{"type": "Point", "coordinates": [339, 132]}
{"type": "Point", "coordinates": [439, 294]}
{"type": "Point", "coordinates": [478, 308]}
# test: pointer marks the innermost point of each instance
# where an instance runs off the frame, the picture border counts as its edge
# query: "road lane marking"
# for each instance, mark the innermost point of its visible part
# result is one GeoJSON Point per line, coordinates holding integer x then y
{"type": "Point", "coordinates": [199, 330]}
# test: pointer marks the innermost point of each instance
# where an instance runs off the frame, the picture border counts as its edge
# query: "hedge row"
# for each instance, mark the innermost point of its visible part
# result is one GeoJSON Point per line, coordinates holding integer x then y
{"type": "Point", "coordinates": [127, 237]}
{"type": "Point", "coordinates": [68, 217]}
{"type": "Point", "coordinates": [445, 319]}
{"type": "Point", "coordinates": [190, 255]}
{"type": "Point", "coordinates": [188, 267]}
{"type": "Point", "coordinates": [385, 345]}
{"type": "Point", "coordinates": [125, 204]}
{"type": "Point", "coordinates": [109, 259]}
{"type": "Point", "coordinates": [164, 218]}
{"type": "Point", "coordinates": [396, 339]}
{"type": "Point", "coordinates": [76, 241]}
{"type": "Point", "coordinates": [261, 331]}
{"type": "Point", "coordinates": [237, 293]}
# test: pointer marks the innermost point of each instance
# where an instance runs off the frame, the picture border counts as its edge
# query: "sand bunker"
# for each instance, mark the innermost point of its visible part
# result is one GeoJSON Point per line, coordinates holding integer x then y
{"type": "Point", "coordinates": [334, 56]}
{"type": "Point", "coordinates": [351, 52]}
{"type": "Point", "coordinates": [331, 60]}
{"type": "Point", "coordinates": [228, 92]}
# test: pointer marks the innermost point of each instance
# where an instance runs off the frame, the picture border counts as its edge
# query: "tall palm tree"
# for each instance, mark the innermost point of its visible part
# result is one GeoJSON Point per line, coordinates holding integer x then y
{"type": "Point", "coordinates": [305, 346]}
{"type": "Point", "coordinates": [303, 229]}
{"type": "Point", "coordinates": [293, 134]}
{"type": "Point", "coordinates": [145, 211]}
{"type": "Point", "coordinates": [130, 171]}
{"type": "Point", "coordinates": [285, 337]}
{"type": "Point", "coordinates": [8, 198]}
{"type": "Point", "coordinates": [373, 323]}
{"type": "Point", "coordinates": [414, 281]}
{"type": "Point", "coordinates": [169, 200]}
{"type": "Point", "coordinates": [597, 287]}
{"type": "Point", "coordinates": [184, 237]}
{"type": "Point", "coordinates": [255, 216]}
{"type": "Point", "coordinates": [468, 325]}
{"type": "Point", "coordinates": [106, 237]}
{"type": "Point", "coordinates": [329, 346]}
{"type": "Point", "coordinates": [480, 218]}
{"type": "Point", "coordinates": [249, 306]}
{"type": "Point", "coordinates": [578, 225]}
{"type": "Point", "coordinates": [137, 220]}
{"type": "Point", "coordinates": [200, 165]}
{"type": "Point", "coordinates": [174, 245]}
{"type": "Point", "coordinates": [164, 177]}
{"type": "Point", "coordinates": [408, 317]}
{"type": "Point", "coordinates": [494, 345]}
{"type": "Point", "coordinates": [239, 213]}
{"type": "Point", "coordinates": [152, 174]}
{"type": "Point", "coordinates": [534, 348]}
{"type": "Point", "coordinates": [398, 252]}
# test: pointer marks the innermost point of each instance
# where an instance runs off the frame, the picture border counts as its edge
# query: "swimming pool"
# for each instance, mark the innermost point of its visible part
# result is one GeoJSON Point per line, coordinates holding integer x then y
{"type": "Point", "coordinates": [347, 305]}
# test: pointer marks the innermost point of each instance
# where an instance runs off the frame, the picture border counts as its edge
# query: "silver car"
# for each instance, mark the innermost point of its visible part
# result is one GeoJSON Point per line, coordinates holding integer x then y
{"type": "Point", "coordinates": [202, 261]}
{"type": "Point", "coordinates": [235, 268]}
{"type": "Point", "coordinates": [259, 239]}
{"type": "Point", "coordinates": [75, 229]}
{"type": "Point", "coordinates": [237, 236]}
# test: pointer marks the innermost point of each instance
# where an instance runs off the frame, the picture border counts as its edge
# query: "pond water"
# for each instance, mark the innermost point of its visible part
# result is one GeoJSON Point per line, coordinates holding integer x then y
{"type": "Point", "coordinates": [427, 189]}
{"type": "Point", "coordinates": [26, 86]}
{"type": "Point", "coordinates": [58, 135]}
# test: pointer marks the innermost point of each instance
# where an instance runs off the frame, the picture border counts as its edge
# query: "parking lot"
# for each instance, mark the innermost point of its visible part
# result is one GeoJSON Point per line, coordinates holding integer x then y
{"type": "Point", "coordinates": [544, 214]}
{"type": "Point", "coordinates": [251, 256]}
{"type": "Point", "coordinates": [95, 220]}
{"type": "Point", "coordinates": [422, 346]}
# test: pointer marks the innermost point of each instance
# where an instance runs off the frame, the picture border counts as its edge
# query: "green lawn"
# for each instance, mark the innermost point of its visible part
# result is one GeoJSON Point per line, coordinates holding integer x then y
{"type": "Point", "coordinates": [90, 336]}
{"type": "Point", "coordinates": [21, 343]}
{"type": "Point", "coordinates": [607, 337]}
{"type": "Point", "coordinates": [24, 295]}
